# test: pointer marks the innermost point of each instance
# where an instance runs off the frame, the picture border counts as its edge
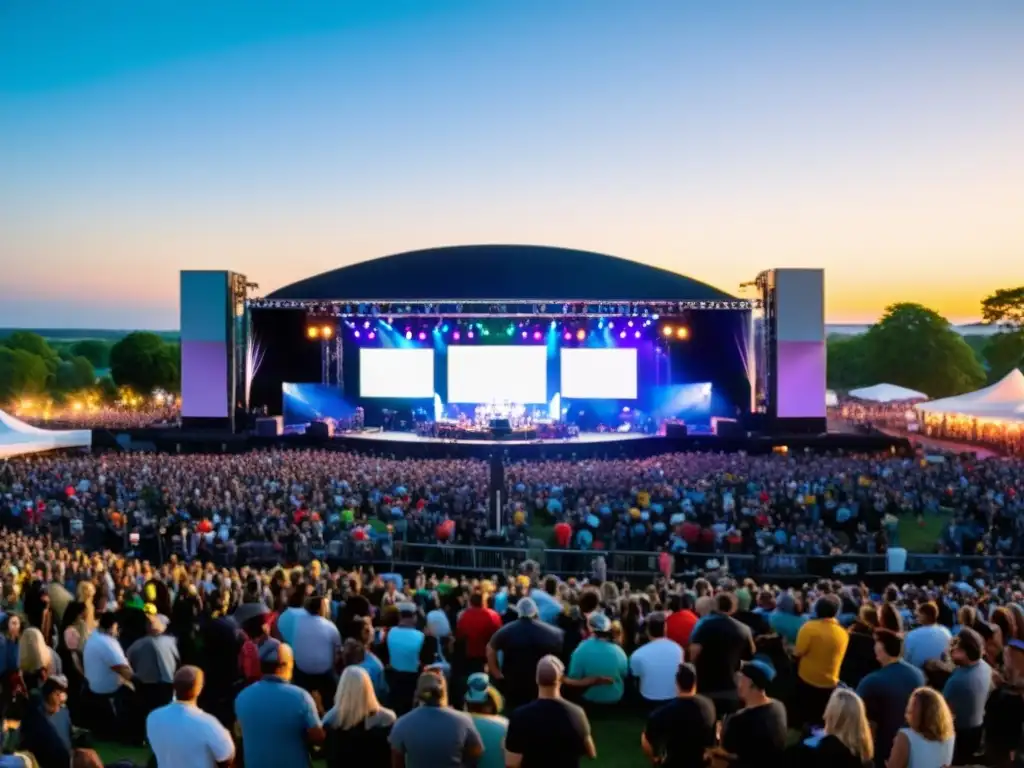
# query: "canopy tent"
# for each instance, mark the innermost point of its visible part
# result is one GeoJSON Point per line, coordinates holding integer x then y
{"type": "Point", "coordinates": [1002, 401]}
{"type": "Point", "coordinates": [18, 438]}
{"type": "Point", "coordinates": [887, 393]}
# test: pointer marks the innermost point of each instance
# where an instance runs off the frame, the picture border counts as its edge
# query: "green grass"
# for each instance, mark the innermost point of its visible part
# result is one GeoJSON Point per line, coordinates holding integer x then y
{"type": "Point", "coordinates": [915, 537]}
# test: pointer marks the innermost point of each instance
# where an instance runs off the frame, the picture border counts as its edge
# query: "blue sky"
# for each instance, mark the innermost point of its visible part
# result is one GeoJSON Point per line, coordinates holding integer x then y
{"type": "Point", "coordinates": [879, 140]}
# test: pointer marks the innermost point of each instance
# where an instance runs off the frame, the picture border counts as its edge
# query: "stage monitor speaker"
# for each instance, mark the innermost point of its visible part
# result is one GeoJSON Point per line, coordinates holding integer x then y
{"type": "Point", "coordinates": [321, 429]}
{"type": "Point", "coordinates": [269, 426]}
{"type": "Point", "coordinates": [676, 430]}
{"type": "Point", "coordinates": [500, 428]}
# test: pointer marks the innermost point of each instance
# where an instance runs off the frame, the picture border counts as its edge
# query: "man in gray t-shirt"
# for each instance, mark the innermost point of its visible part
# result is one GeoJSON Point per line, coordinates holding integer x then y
{"type": "Point", "coordinates": [433, 735]}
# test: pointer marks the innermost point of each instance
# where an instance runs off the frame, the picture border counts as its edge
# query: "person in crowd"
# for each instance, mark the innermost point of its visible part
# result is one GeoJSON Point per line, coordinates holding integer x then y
{"type": "Point", "coordinates": [182, 735]}
{"type": "Point", "coordinates": [357, 726]}
{"type": "Point", "coordinates": [484, 704]}
{"type": "Point", "coordinates": [718, 646]}
{"type": "Point", "coordinates": [859, 659]}
{"type": "Point", "coordinates": [967, 692]}
{"type": "Point", "coordinates": [929, 641]}
{"type": "Point", "coordinates": [820, 647]}
{"type": "Point", "coordinates": [278, 721]}
{"type": "Point", "coordinates": [317, 650]}
{"type": "Point", "coordinates": [549, 730]}
{"type": "Point", "coordinates": [1004, 711]}
{"type": "Point", "coordinates": [474, 629]}
{"type": "Point", "coordinates": [679, 734]}
{"type": "Point", "coordinates": [845, 741]}
{"type": "Point", "coordinates": [681, 618]}
{"type": "Point", "coordinates": [45, 730]}
{"type": "Point", "coordinates": [405, 647]}
{"type": "Point", "coordinates": [109, 677]}
{"type": "Point", "coordinates": [756, 734]}
{"type": "Point", "coordinates": [599, 656]}
{"type": "Point", "coordinates": [927, 741]}
{"type": "Point", "coordinates": [154, 660]}
{"type": "Point", "coordinates": [787, 619]}
{"type": "Point", "coordinates": [36, 659]}
{"type": "Point", "coordinates": [655, 663]}
{"type": "Point", "coordinates": [432, 734]}
{"type": "Point", "coordinates": [522, 643]}
{"type": "Point", "coordinates": [887, 691]}
{"type": "Point", "coordinates": [286, 622]}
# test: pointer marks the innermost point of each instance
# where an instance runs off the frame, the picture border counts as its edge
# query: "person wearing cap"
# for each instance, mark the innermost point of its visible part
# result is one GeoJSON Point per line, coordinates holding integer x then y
{"type": "Point", "coordinates": [405, 647]}
{"type": "Point", "coordinates": [549, 730]}
{"type": "Point", "coordinates": [966, 692]}
{"type": "Point", "coordinates": [484, 703]}
{"type": "Point", "coordinates": [886, 691]}
{"type": "Point", "coordinates": [522, 643]}
{"type": "Point", "coordinates": [182, 735]}
{"type": "Point", "coordinates": [155, 659]}
{"type": "Point", "coordinates": [756, 734]}
{"type": "Point", "coordinates": [279, 721]}
{"type": "Point", "coordinates": [45, 729]}
{"type": "Point", "coordinates": [598, 656]}
{"type": "Point", "coordinates": [679, 733]}
{"type": "Point", "coordinates": [432, 734]}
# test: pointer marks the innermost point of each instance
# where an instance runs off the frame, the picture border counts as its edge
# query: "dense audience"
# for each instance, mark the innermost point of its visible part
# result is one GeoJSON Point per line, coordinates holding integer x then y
{"type": "Point", "coordinates": [78, 416]}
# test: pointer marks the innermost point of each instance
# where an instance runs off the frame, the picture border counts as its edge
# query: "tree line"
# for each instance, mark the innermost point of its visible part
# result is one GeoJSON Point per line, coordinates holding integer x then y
{"type": "Point", "coordinates": [32, 366]}
{"type": "Point", "coordinates": [916, 347]}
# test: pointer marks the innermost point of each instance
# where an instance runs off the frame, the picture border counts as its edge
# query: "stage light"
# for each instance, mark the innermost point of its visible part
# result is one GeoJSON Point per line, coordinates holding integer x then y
{"type": "Point", "coordinates": [456, 335]}
{"type": "Point", "coordinates": [356, 334]}
{"type": "Point", "coordinates": [622, 335]}
{"type": "Point", "coordinates": [444, 328]}
{"type": "Point", "coordinates": [511, 329]}
{"type": "Point", "coordinates": [567, 336]}
{"type": "Point", "coordinates": [327, 331]}
{"type": "Point", "coordinates": [637, 334]}
{"type": "Point", "coordinates": [537, 335]}
{"type": "Point", "coordinates": [422, 336]}
{"type": "Point", "coordinates": [630, 323]}
{"type": "Point", "coordinates": [611, 324]}
{"type": "Point", "coordinates": [667, 330]}
{"type": "Point", "coordinates": [581, 334]}
{"type": "Point", "coordinates": [470, 334]}
{"type": "Point", "coordinates": [366, 324]}
{"type": "Point", "coordinates": [524, 334]}
{"type": "Point", "coordinates": [682, 333]}
{"type": "Point", "coordinates": [372, 336]}
{"type": "Point", "coordinates": [312, 333]}
{"type": "Point", "coordinates": [408, 334]}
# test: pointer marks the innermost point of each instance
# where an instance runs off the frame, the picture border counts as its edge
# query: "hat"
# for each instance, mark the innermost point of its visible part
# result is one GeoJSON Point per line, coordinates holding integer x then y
{"type": "Point", "coordinates": [135, 603]}
{"type": "Point", "coordinates": [759, 671]}
{"type": "Point", "coordinates": [430, 689]}
{"type": "Point", "coordinates": [598, 622]}
{"type": "Point", "coordinates": [526, 608]}
{"type": "Point", "coordinates": [54, 683]}
{"type": "Point", "coordinates": [480, 691]}
{"type": "Point", "coordinates": [270, 651]}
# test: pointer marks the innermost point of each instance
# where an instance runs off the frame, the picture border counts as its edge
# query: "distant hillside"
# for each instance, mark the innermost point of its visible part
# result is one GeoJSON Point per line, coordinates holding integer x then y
{"type": "Point", "coordinates": [971, 329]}
{"type": "Point", "coordinates": [80, 334]}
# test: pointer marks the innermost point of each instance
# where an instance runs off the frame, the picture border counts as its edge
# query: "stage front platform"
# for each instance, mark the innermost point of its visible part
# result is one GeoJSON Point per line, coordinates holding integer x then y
{"type": "Point", "coordinates": [409, 445]}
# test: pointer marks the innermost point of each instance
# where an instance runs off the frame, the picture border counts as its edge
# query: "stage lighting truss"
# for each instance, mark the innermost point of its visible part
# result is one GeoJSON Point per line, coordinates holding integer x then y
{"type": "Point", "coordinates": [491, 308]}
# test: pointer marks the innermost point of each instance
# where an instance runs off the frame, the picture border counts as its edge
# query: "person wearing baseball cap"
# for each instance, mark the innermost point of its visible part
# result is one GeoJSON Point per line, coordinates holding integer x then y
{"type": "Point", "coordinates": [756, 735]}
{"type": "Point", "coordinates": [598, 656]}
{"type": "Point", "coordinates": [484, 703]}
{"type": "Point", "coordinates": [522, 643]}
{"type": "Point", "coordinates": [432, 734]}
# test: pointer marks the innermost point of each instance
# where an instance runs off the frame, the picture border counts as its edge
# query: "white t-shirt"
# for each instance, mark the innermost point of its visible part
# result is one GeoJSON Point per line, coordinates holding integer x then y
{"type": "Point", "coordinates": [101, 653]}
{"type": "Point", "coordinates": [655, 664]}
{"type": "Point", "coordinates": [316, 644]}
{"type": "Point", "coordinates": [183, 736]}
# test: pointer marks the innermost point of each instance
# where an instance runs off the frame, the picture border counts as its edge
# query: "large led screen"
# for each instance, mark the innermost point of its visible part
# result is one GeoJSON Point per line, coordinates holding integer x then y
{"type": "Point", "coordinates": [599, 374]}
{"type": "Point", "coordinates": [494, 374]}
{"type": "Point", "coordinates": [396, 373]}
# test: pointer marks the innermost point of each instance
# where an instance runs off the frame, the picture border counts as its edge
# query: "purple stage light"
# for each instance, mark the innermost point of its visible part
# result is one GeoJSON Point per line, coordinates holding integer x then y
{"type": "Point", "coordinates": [422, 336]}
{"type": "Point", "coordinates": [357, 334]}
{"type": "Point", "coordinates": [456, 335]}
{"type": "Point", "coordinates": [366, 324]}
{"type": "Point", "coordinates": [470, 334]}
{"type": "Point", "coordinates": [536, 335]}
{"type": "Point", "coordinates": [408, 334]}
{"type": "Point", "coordinates": [622, 335]}
{"type": "Point", "coordinates": [372, 336]}
{"type": "Point", "coordinates": [630, 323]}
{"type": "Point", "coordinates": [637, 334]}
{"type": "Point", "coordinates": [524, 334]}
{"type": "Point", "coordinates": [567, 336]}
{"type": "Point", "coordinates": [611, 324]}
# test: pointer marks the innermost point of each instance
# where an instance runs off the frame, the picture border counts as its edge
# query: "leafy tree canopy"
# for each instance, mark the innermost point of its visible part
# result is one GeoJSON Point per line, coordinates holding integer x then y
{"type": "Point", "coordinates": [34, 344]}
{"type": "Point", "coordinates": [95, 351]}
{"type": "Point", "coordinates": [1005, 307]}
{"type": "Point", "coordinates": [21, 374]}
{"type": "Point", "coordinates": [847, 362]}
{"type": "Point", "coordinates": [144, 362]}
{"type": "Point", "coordinates": [1003, 352]}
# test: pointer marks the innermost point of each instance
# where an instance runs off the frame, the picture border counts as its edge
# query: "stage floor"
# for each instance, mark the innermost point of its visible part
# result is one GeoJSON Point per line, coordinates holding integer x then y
{"type": "Point", "coordinates": [585, 438]}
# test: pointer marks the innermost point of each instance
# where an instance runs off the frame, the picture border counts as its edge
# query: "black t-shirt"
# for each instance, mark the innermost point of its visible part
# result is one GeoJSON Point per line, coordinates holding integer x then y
{"type": "Point", "coordinates": [1004, 718]}
{"type": "Point", "coordinates": [681, 730]}
{"type": "Point", "coordinates": [523, 643]}
{"type": "Point", "coordinates": [724, 643]}
{"type": "Point", "coordinates": [756, 735]}
{"type": "Point", "coordinates": [548, 733]}
{"type": "Point", "coordinates": [757, 623]}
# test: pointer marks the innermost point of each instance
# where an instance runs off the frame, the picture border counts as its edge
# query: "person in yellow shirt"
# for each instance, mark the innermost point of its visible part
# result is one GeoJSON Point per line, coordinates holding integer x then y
{"type": "Point", "coordinates": [820, 647]}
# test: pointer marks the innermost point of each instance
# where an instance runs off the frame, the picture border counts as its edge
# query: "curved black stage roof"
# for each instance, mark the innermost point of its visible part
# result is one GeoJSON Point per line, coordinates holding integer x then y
{"type": "Point", "coordinates": [500, 272]}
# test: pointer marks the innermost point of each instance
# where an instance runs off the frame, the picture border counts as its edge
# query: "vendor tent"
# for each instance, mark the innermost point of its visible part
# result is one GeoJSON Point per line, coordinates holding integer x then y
{"type": "Point", "coordinates": [1002, 401]}
{"type": "Point", "coordinates": [18, 438]}
{"type": "Point", "coordinates": [887, 393]}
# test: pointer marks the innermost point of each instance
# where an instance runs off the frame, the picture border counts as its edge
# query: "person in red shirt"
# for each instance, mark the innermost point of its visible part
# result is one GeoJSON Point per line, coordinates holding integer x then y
{"type": "Point", "coordinates": [563, 535]}
{"type": "Point", "coordinates": [474, 628]}
{"type": "Point", "coordinates": [680, 623]}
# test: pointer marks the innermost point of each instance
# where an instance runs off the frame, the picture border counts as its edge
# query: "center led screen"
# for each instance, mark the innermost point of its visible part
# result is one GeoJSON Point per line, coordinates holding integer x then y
{"type": "Point", "coordinates": [599, 374]}
{"type": "Point", "coordinates": [396, 373]}
{"type": "Point", "coordinates": [487, 374]}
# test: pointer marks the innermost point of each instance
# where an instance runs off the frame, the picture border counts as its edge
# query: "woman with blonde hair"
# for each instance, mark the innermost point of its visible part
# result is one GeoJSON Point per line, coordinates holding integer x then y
{"type": "Point", "coordinates": [928, 741]}
{"type": "Point", "coordinates": [357, 725]}
{"type": "Point", "coordinates": [847, 740]}
{"type": "Point", "coordinates": [35, 659]}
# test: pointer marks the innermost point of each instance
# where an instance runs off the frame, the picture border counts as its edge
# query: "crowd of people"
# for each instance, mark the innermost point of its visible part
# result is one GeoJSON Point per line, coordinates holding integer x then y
{"type": "Point", "coordinates": [221, 667]}
{"type": "Point", "coordinates": [76, 415]}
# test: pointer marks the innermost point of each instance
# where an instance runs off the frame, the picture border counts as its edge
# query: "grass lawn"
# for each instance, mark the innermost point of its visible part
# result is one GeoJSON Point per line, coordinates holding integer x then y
{"type": "Point", "coordinates": [922, 538]}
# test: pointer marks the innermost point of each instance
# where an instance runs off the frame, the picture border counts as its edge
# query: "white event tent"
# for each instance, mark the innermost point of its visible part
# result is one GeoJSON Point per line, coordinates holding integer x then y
{"type": "Point", "coordinates": [1002, 401]}
{"type": "Point", "coordinates": [887, 393]}
{"type": "Point", "coordinates": [18, 438]}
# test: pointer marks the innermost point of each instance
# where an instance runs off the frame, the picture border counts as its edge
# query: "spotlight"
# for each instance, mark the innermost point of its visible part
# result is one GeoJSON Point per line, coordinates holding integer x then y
{"type": "Point", "coordinates": [682, 333]}
{"type": "Point", "coordinates": [581, 334]}
{"type": "Point", "coordinates": [536, 335]}
{"type": "Point", "coordinates": [408, 334]}
{"type": "Point", "coordinates": [667, 330]}
{"type": "Point", "coordinates": [524, 334]}
{"type": "Point", "coordinates": [422, 336]}
{"type": "Point", "coordinates": [567, 336]}
{"type": "Point", "coordinates": [637, 334]}
{"type": "Point", "coordinates": [366, 324]}
{"type": "Point", "coordinates": [470, 334]}
{"type": "Point", "coordinates": [356, 334]}
{"type": "Point", "coordinates": [456, 335]}
{"type": "Point", "coordinates": [372, 336]}
{"type": "Point", "coordinates": [622, 335]}
{"type": "Point", "coordinates": [312, 333]}
{"type": "Point", "coordinates": [327, 331]}
{"type": "Point", "coordinates": [611, 324]}
{"type": "Point", "coordinates": [444, 328]}
{"type": "Point", "coordinates": [630, 323]}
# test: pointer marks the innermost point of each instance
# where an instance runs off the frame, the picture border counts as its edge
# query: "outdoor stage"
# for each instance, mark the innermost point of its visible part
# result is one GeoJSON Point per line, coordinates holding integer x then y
{"type": "Point", "coordinates": [584, 438]}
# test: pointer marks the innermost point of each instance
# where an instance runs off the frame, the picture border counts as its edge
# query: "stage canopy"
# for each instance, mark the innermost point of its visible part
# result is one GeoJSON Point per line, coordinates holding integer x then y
{"type": "Point", "coordinates": [500, 272]}
{"type": "Point", "coordinates": [18, 438]}
{"type": "Point", "coordinates": [1002, 401]}
{"type": "Point", "coordinates": [887, 393]}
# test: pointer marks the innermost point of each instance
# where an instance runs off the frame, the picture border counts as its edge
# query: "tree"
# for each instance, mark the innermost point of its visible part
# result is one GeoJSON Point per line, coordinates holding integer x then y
{"type": "Point", "coordinates": [95, 351]}
{"type": "Point", "coordinates": [1003, 352]}
{"type": "Point", "coordinates": [1005, 307]}
{"type": "Point", "coordinates": [21, 374]}
{"type": "Point", "coordinates": [34, 344]}
{"type": "Point", "coordinates": [143, 362]}
{"type": "Point", "coordinates": [915, 347]}
{"type": "Point", "coordinates": [73, 375]}
{"type": "Point", "coordinates": [107, 389]}
{"type": "Point", "coordinates": [847, 362]}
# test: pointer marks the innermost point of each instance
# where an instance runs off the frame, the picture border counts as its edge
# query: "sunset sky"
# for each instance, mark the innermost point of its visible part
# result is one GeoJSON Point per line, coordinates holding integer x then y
{"type": "Point", "coordinates": [883, 141]}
